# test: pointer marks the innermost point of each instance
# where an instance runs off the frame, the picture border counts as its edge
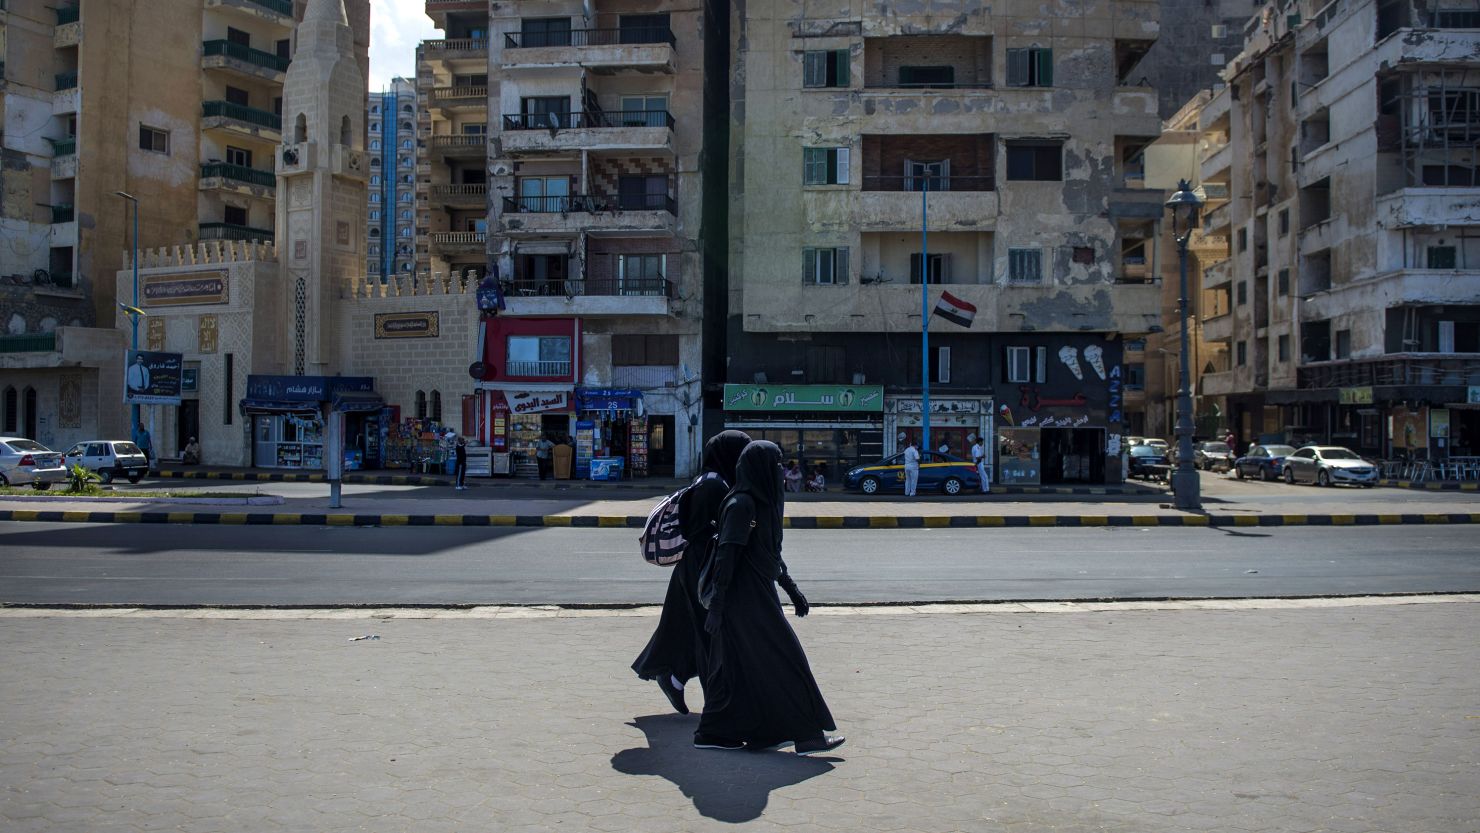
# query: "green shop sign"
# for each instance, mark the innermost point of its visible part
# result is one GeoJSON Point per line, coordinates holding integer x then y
{"type": "Point", "coordinates": [857, 398]}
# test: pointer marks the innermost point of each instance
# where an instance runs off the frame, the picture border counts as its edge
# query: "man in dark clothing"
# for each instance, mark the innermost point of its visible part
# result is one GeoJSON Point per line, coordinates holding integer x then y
{"type": "Point", "coordinates": [679, 646]}
{"type": "Point", "coordinates": [460, 463]}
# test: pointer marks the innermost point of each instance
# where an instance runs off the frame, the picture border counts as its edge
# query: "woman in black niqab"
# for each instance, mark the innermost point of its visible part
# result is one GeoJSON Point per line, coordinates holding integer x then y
{"type": "Point", "coordinates": [677, 650]}
{"type": "Point", "coordinates": [759, 691]}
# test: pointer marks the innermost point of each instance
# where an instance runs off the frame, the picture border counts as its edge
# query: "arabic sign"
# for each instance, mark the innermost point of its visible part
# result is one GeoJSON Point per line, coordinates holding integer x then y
{"type": "Point", "coordinates": [304, 388]}
{"type": "Point", "coordinates": [177, 290]}
{"type": "Point", "coordinates": [607, 399]}
{"type": "Point", "coordinates": [857, 398]}
{"type": "Point", "coordinates": [1355, 396]}
{"type": "Point", "coordinates": [534, 402]}
{"type": "Point", "coordinates": [152, 378]}
{"type": "Point", "coordinates": [942, 406]}
{"type": "Point", "coordinates": [406, 325]}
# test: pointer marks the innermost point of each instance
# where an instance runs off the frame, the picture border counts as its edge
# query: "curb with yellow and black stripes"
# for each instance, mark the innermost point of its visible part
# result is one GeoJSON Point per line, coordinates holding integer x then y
{"type": "Point", "coordinates": [799, 522]}
{"type": "Point", "coordinates": [1431, 486]}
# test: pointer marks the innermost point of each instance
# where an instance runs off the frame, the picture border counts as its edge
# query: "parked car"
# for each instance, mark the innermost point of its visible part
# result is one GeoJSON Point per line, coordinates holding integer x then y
{"type": "Point", "coordinates": [1327, 465]}
{"type": "Point", "coordinates": [1212, 454]}
{"type": "Point", "coordinates": [1145, 460]}
{"type": "Point", "coordinates": [943, 472]}
{"type": "Point", "coordinates": [110, 459]}
{"type": "Point", "coordinates": [26, 462]}
{"type": "Point", "coordinates": [1134, 441]}
{"type": "Point", "coordinates": [1266, 462]}
{"type": "Point", "coordinates": [1161, 445]}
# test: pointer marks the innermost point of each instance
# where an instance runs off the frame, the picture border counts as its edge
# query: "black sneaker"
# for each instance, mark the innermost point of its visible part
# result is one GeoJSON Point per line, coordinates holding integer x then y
{"type": "Point", "coordinates": [712, 742]}
{"type": "Point", "coordinates": [674, 695]}
{"type": "Point", "coordinates": [826, 743]}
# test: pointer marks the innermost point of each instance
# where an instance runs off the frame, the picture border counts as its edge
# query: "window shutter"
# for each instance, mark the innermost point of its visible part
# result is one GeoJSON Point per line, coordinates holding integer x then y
{"type": "Point", "coordinates": [843, 57]}
{"type": "Point", "coordinates": [1045, 67]}
{"type": "Point", "coordinates": [1017, 67]}
{"type": "Point", "coordinates": [1042, 370]}
{"type": "Point", "coordinates": [943, 374]}
{"type": "Point", "coordinates": [1006, 372]}
{"type": "Point", "coordinates": [840, 266]}
{"type": "Point", "coordinates": [814, 161]}
{"type": "Point", "coordinates": [809, 266]}
{"type": "Point", "coordinates": [814, 69]}
{"type": "Point", "coordinates": [945, 268]}
{"type": "Point", "coordinates": [915, 267]}
{"type": "Point", "coordinates": [841, 157]}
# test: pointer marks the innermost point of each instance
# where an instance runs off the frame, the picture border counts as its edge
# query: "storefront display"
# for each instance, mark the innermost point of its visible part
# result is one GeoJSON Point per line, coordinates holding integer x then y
{"type": "Point", "coordinates": [637, 446]}
{"type": "Point", "coordinates": [955, 423]}
{"type": "Point", "coordinates": [288, 412]}
{"type": "Point", "coordinates": [832, 427]}
{"type": "Point", "coordinates": [516, 419]}
{"type": "Point", "coordinates": [618, 428]}
{"type": "Point", "coordinates": [585, 448]}
{"type": "Point", "coordinates": [1019, 457]}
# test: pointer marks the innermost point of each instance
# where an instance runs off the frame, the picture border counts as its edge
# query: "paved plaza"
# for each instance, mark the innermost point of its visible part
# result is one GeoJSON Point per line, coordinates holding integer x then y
{"type": "Point", "coordinates": [1354, 715]}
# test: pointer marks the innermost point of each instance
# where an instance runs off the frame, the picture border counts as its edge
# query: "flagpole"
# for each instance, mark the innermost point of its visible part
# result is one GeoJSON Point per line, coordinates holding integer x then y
{"type": "Point", "coordinates": [925, 445]}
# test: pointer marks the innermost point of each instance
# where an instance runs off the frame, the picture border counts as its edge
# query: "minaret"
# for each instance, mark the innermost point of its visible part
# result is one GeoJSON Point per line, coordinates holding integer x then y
{"type": "Point", "coordinates": [321, 192]}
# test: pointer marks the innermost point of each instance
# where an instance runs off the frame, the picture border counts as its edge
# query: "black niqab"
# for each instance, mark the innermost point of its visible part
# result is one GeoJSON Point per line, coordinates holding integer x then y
{"type": "Point", "coordinates": [722, 453]}
{"type": "Point", "coordinates": [758, 475]}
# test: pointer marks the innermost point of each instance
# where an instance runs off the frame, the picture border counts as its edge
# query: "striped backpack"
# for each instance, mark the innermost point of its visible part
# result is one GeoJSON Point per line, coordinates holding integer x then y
{"type": "Point", "coordinates": [662, 541]}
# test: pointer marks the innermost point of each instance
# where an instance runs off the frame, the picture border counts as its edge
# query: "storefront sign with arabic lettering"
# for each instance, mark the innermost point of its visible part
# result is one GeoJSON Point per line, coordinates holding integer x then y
{"type": "Point", "coordinates": [856, 398]}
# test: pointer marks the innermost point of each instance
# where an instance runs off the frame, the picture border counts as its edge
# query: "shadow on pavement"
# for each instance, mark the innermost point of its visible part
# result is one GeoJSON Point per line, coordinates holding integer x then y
{"type": "Point", "coordinates": [731, 787]}
{"type": "Point", "coordinates": [152, 539]}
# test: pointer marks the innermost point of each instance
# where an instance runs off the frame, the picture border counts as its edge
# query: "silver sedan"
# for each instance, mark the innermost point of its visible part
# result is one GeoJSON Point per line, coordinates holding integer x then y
{"type": "Point", "coordinates": [26, 462]}
{"type": "Point", "coordinates": [1328, 465]}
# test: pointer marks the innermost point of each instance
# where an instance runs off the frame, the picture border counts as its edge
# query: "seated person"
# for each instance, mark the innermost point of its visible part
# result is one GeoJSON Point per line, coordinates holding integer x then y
{"type": "Point", "coordinates": [191, 455]}
{"type": "Point", "coordinates": [793, 475]}
{"type": "Point", "coordinates": [817, 482]}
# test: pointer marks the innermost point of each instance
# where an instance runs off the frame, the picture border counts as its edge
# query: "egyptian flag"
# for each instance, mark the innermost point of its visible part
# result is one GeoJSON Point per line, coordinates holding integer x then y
{"type": "Point", "coordinates": [955, 310]}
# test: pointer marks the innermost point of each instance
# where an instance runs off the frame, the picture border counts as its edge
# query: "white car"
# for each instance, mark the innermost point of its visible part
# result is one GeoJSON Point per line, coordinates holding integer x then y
{"type": "Point", "coordinates": [26, 462]}
{"type": "Point", "coordinates": [1327, 465]}
{"type": "Point", "coordinates": [110, 459]}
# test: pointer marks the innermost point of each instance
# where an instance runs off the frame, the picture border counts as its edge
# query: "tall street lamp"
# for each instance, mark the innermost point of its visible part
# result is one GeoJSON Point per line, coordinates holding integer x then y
{"type": "Point", "coordinates": [134, 316]}
{"type": "Point", "coordinates": [1186, 488]}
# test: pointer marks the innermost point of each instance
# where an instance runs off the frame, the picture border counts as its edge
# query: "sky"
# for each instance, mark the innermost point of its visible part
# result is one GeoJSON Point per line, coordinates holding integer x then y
{"type": "Point", "coordinates": [396, 27]}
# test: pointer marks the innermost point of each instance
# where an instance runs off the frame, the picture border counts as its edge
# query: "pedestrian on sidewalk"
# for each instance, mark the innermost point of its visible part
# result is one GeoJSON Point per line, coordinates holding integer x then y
{"type": "Point", "coordinates": [460, 463]}
{"type": "Point", "coordinates": [543, 455]}
{"type": "Point", "coordinates": [146, 445]}
{"type": "Point", "coordinates": [979, 457]}
{"type": "Point", "coordinates": [679, 647]}
{"type": "Point", "coordinates": [911, 467]}
{"type": "Point", "coordinates": [759, 691]}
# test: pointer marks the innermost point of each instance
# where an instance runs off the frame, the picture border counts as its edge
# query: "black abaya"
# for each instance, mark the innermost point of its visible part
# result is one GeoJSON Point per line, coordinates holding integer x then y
{"type": "Point", "coordinates": [759, 688]}
{"type": "Point", "coordinates": [679, 644]}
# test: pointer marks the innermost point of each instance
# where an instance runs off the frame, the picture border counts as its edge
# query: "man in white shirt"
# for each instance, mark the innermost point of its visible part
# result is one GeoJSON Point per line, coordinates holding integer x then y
{"type": "Point", "coordinates": [979, 457]}
{"type": "Point", "coordinates": [911, 469]}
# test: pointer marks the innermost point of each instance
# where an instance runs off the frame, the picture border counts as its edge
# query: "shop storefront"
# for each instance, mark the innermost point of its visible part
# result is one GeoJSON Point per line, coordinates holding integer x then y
{"type": "Point", "coordinates": [613, 431]}
{"type": "Point", "coordinates": [955, 422]}
{"type": "Point", "coordinates": [515, 418]}
{"type": "Point", "coordinates": [835, 427]}
{"type": "Point", "coordinates": [287, 416]}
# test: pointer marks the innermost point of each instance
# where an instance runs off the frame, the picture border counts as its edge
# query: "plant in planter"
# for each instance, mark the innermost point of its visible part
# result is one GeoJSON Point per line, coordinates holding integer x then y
{"type": "Point", "coordinates": [81, 479]}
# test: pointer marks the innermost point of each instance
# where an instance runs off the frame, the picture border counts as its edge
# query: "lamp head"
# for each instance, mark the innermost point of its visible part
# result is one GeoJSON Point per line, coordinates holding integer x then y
{"type": "Point", "coordinates": [1184, 207]}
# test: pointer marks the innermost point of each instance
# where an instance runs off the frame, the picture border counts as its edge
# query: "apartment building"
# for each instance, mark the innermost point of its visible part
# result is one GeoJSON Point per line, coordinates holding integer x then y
{"type": "Point", "coordinates": [1020, 138]}
{"type": "Point", "coordinates": [391, 214]}
{"type": "Point", "coordinates": [562, 145]}
{"type": "Point", "coordinates": [98, 100]}
{"type": "Point", "coordinates": [1347, 303]}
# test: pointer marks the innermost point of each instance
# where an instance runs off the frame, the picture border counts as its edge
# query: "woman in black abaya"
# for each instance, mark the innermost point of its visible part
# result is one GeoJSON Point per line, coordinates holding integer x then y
{"type": "Point", "coordinates": [759, 691]}
{"type": "Point", "coordinates": [678, 647]}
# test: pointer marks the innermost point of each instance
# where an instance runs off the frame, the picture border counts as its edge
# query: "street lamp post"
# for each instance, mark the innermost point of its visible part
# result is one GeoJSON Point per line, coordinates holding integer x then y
{"type": "Point", "coordinates": [134, 316]}
{"type": "Point", "coordinates": [1186, 488]}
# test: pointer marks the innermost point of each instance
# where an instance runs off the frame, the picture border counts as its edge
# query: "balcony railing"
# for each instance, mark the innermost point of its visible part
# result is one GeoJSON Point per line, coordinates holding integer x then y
{"type": "Point", "coordinates": [573, 121]}
{"type": "Point", "coordinates": [63, 147]}
{"type": "Point", "coordinates": [63, 214]}
{"type": "Point", "coordinates": [231, 231]}
{"type": "Point", "coordinates": [529, 369]}
{"type": "Point", "coordinates": [283, 7]}
{"type": "Point", "coordinates": [66, 80]}
{"type": "Point", "coordinates": [632, 36]}
{"type": "Point", "coordinates": [443, 192]}
{"type": "Point", "coordinates": [929, 85]}
{"type": "Point", "coordinates": [658, 287]}
{"type": "Point", "coordinates": [458, 238]}
{"type": "Point", "coordinates": [29, 343]}
{"type": "Point", "coordinates": [462, 140]}
{"type": "Point", "coordinates": [239, 173]}
{"type": "Point", "coordinates": [250, 115]}
{"type": "Point", "coordinates": [247, 54]}
{"type": "Point", "coordinates": [1402, 370]}
{"type": "Point", "coordinates": [935, 183]}
{"type": "Point", "coordinates": [437, 47]}
{"type": "Point", "coordinates": [68, 14]}
{"type": "Point", "coordinates": [453, 93]}
{"type": "Point", "coordinates": [590, 203]}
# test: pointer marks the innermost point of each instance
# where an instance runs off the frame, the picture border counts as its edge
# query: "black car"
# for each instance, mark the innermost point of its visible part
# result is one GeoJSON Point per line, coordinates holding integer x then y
{"type": "Point", "coordinates": [1265, 462]}
{"type": "Point", "coordinates": [1147, 461]}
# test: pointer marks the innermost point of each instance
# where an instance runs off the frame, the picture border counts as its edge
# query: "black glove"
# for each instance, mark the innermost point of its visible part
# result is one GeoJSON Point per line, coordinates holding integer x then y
{"type": "Point", "coordinates": [797, 599]}
{"type": "Point", "coordinates": [713, 621]}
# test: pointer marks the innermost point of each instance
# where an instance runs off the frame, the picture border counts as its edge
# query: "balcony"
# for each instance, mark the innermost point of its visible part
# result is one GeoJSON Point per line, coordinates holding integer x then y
{"type": "Point", "coordinates": [603, 51]}
{"type": "Point", "coordinates": [239, 179]}
{"type": "Point", "coordinates": [68, 14]}
{"type": "Point", "coordinates": [455, 49]}
{"type": "Point", "coordinates": [1317, 237]}
{"type": "Point", "coordinates": [1402, 369]}
{"type": "Point", "coordinates": [594, 214]}
{"type": "Point", "coordinates": [438, 10]}
{"type": "Point", "coordinates": [243, 61]}
{"type": "Point", "coordinates": [28, 343]}
{"type": "Point", "coordinates": [63, 147]}
{"type": "Point", "coordinates": [469, 97]}
{"type": "Point", "coordinates": [461, 146]}
{"type": "Point", "coordinates": [279, 12]}
{"type": "Point", "coordinates": [62, 214]}
{"type": "Point", "coordinates": [231, 231]}
{"type": "Point", "coordinates": [632, 296]}
{"type": "Point", "coordinates": [65, 35]}
{"type": "Point", "coordinates": [1215, 164]}
{"type": "Point", "coordinates": [64, 167]}
{"type": "Point", "coordinates": [1411, 207]}
{"type": "Point", "coordinates": [609, 130]}
{"type": "Point", "coordinates": [460, 196]}
{"type": "Point", "coordinates": [66, 80]}
{"type": "Point", "coordinates": [1218, 274]}
{"type": "Point", "coordinates": [1218, 328]}
{"type": "Point", "coordinates": [536, 370]}
{"type": "Point", "coordinates": [967, 203]}
{"type": "Point", "coordinates": [458, 242]}
{"type": "Point", "coordinates": [1217, 218]}
{"type": "Point", "coordinates": [248, 121]}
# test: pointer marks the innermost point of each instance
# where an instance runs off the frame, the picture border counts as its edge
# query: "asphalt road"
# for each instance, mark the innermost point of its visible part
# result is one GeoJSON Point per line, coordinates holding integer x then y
{"type": "Point", "coordinates": [191, 565]}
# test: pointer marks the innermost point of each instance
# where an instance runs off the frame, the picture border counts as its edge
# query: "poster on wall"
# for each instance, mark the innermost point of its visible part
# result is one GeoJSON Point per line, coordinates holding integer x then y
{"type": "Point", "coordinates": [151, 378]}
{"type": "Point", "coordinates": [1410, 429]}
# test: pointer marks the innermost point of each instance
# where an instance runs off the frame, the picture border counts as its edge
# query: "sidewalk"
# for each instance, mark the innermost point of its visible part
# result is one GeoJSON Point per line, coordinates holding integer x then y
{"type": "Point", "coordinates": [1296, 717]}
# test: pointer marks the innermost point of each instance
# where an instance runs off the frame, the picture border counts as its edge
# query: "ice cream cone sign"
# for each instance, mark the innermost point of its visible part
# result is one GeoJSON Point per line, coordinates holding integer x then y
{"type": "Point", "coordinates": [1070, 357]}
{"type": "Point", "coordinates": [1095, 355]}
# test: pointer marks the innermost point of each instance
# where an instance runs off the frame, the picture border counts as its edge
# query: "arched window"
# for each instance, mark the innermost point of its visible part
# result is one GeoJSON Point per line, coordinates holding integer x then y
{"type": "Point", "coordinates": [406, 126]}
{"type": "Point", "coordinates": [375, 214]}
{"type": "Point", "coordinates": [300, 128]}
{"type": "Point", "coordinates": [12, 406]}
{"type": "Point", "coordinates": [375, 232]}
{"type": "Point", "coordinates": [375, 110]}
{"type": "Point", "coordinates": [406, 108]}
{"type": "Point", "coordinates": [405, 197]}
{"type": "Point", "coordinates": [375, 144]}
{"type": "Point", "coordinates": [375, 162]}
{"type": "Point", "coordinates": [407, 144]}
{"type": "Point", "coordinates": [29, 429]}
{"type": "Point", "coordinates": [374, 127]}
{"type": "Point", "coordinates": [421, 404]}
{"type": "Point", "coordinates": [405, 215]}
{"type": "Point", "coordinates": [437, 405]}
{"type": "Point", "coordinates": [375, 180]}
{"type": "Point", "coordinates": [406, 232]}
{"type": "Point", "coordinates": [375, 197]}
{"type": "Point", "coordinates": [345, 131]}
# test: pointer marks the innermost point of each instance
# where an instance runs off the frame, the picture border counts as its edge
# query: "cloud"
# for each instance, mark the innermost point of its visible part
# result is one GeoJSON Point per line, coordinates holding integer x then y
{"type": "Point", "coordinates": [396, 27]}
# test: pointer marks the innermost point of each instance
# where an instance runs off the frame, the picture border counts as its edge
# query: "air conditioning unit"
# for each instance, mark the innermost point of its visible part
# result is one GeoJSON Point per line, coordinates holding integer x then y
{"type": "Point", "coordinates": [1217, 60]}
{"type": "Point", "coordinates": [1220, 31]}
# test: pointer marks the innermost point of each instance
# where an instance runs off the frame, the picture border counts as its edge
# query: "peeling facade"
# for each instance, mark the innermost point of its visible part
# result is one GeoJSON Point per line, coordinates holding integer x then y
{"type": "Point", "coordinates": [1348, 302]}
{"type": "Point", "coordinates": [1019, 130]}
